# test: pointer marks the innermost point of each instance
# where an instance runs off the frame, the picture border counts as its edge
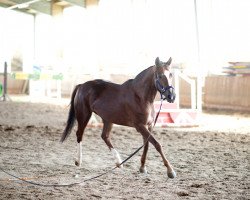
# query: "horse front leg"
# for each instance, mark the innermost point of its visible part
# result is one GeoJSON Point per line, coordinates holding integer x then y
{"type": "Point", "coordinates": [146, 134]}
{"type": "Point", "coordinates": [143, 168]}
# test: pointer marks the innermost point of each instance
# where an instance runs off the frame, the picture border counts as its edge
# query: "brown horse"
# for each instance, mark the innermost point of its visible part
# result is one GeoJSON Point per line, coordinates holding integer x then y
{"type": "Point", "coordinates": [129, 104]}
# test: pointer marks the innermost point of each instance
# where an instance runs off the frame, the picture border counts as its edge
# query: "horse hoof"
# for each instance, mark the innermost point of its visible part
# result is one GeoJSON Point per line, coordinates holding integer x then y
{"type": "Point", "coordinates": [119, 166]}
{"type": "Point", "coordinates": [171, 174]}
{"type": "Point", "coordinates": [77, 163]}
{"type": "Point", "coordinates": [143, 170]}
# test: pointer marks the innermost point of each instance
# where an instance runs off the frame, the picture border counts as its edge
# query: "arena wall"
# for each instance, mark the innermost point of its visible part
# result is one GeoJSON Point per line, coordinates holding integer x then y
{"type": "Point", "coordinates": [227, 92]}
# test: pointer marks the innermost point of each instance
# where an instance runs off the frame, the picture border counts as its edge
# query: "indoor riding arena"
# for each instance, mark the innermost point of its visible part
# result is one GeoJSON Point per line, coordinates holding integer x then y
{"type": "Point", "coordinates": [130, 99]}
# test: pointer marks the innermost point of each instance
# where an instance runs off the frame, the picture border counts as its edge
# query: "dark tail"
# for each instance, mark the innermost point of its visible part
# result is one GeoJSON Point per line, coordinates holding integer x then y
{"type": "Point", "coordinates": [71, 116]}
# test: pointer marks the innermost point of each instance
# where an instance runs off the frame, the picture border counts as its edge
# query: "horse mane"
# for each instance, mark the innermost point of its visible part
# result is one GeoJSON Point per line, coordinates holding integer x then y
{"type": "Point", "coordinates": [142, 73]}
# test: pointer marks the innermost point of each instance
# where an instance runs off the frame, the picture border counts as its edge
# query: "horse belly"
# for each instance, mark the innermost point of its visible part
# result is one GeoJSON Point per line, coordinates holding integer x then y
{"type": "Point", "coordinates": [113, 113]}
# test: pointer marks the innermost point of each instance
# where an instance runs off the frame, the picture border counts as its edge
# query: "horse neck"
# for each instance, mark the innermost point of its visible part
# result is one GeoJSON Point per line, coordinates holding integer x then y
{"type": "Point", "coordinates": [144, 85]}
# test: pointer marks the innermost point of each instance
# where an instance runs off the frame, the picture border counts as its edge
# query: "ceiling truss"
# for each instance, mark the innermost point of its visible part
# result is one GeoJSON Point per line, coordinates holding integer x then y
{"type": "Point", "coordinates": [39, 6]}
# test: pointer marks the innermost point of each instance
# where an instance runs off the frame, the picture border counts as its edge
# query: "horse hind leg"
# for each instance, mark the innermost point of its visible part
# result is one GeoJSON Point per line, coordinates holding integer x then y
{"type": "Point", "coordinates": [82, 120]}
{"type": "Point", "coordinates": [107, 126]}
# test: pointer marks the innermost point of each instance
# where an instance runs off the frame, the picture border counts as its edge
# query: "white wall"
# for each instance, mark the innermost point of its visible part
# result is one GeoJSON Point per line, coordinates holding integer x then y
{"type": "Point", "coordinates": [125, 36]}
{"type": "Point", "coordinates": [224, 27]}
{"type": "Point", "coordinates": [16, 35]}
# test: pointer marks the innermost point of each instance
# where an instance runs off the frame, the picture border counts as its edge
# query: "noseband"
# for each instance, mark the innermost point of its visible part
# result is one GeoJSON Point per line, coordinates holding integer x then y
{"type": "Point", "coordinates": [161, 88]}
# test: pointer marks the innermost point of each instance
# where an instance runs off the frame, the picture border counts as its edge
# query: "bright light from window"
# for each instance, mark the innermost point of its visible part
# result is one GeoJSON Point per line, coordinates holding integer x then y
{"type": "Point", "coordinates": [126, 36]}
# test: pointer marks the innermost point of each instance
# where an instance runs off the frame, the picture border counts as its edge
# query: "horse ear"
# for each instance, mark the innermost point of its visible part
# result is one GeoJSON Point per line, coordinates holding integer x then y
{"type": "Point", "coordinates": [169, 61]}
{"type": "Point", "coordinates": [157, 62]}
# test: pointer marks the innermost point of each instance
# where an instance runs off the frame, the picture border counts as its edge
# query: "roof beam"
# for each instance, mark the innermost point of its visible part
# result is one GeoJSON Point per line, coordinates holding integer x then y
{"type": "Point", "coordinates": [76, 2]}
{"type": "Point", "coordinates": [43, 7]}
{"type": "Point", "coordinates": [40, 6]}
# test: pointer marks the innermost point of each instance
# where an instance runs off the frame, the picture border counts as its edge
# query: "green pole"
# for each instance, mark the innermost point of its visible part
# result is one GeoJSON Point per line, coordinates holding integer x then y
{"type": "Point", "coordinates": [1, 89]}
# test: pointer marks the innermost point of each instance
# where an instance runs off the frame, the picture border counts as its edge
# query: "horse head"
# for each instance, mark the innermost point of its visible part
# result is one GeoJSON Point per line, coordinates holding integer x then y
{"type": "Point", "coordinates": [163, 80]}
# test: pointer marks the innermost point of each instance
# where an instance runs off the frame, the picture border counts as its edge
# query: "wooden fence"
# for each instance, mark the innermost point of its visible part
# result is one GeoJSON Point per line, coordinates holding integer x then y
{"type": "Point", "coordinates": [227, 92]}
{"type": "Point", "coordinates": [219, 92]}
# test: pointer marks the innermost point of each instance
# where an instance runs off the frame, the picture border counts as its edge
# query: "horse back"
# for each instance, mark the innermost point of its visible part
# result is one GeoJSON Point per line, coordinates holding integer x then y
{"type": "Point", "coordinates": [115, 103]}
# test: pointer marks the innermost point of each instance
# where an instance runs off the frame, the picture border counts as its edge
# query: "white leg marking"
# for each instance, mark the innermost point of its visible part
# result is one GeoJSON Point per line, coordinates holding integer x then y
{"type": "Point", "coordinates": [117, 157]}
{"type": "Point", "coordinates": [143, 170]}
{"type": "Point", "coordinates": [79, 154]}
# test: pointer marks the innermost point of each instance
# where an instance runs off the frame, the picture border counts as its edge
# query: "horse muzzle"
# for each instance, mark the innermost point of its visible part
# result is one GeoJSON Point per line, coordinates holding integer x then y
{"type": "Point", "coordinates": [170, 95]}
{"type": "Point", "coordinates": [171, 98]}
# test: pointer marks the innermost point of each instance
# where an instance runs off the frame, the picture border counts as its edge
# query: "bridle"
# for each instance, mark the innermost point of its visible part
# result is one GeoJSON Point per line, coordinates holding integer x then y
{"type": "Point", "coordinates": [160, 87]}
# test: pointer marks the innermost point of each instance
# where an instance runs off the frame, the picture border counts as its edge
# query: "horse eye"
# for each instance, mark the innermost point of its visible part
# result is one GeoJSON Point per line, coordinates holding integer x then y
{"type": "Point", "coordinates": [170, 75]}
{"type": "Point", "coordinates": [161, 75]}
